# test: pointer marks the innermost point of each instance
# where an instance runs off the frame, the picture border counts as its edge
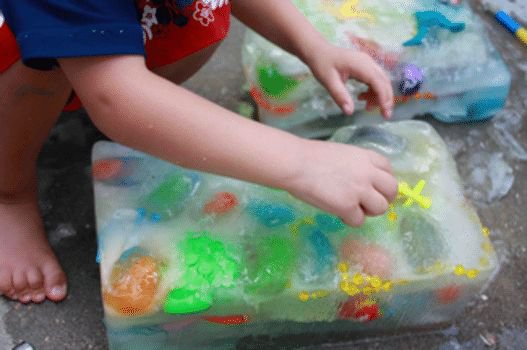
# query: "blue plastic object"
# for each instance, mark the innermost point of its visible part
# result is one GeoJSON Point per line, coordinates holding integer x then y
{"type": "Point", "coordinates": [508, 22]}
{"type": "Point", "coordinates": [428, 19]}
{"type": "Point", "coordinates": [513, 26]}
{"type": "Point", "coordinates": [325, 254]}
{"type": "Point", "coordinates": [271, 214]}
{"type": "Point", "coordinates": [329, 223]}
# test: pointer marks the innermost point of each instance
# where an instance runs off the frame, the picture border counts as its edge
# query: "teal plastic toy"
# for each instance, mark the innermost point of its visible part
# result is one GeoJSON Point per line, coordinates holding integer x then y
{"type": "Point", "coordinates": [329, 223]}
{"type": "Point", "coordinates": [429, 19]}
{"type": "Point", "coordinates": [271, 214]}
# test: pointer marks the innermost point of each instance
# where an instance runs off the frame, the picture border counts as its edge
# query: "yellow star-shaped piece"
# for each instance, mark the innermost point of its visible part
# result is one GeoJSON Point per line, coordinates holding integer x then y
{"type": "Point", "coordinates": [414, 194]}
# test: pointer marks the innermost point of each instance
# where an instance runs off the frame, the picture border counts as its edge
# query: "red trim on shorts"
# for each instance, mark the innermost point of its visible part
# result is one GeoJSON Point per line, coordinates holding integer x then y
{"type": "Point", "coordinates": [164, 44]}
{"type": "Point", "coordinates": [9, 52]}
{"type": "Point", "coordinates": [170, 43]}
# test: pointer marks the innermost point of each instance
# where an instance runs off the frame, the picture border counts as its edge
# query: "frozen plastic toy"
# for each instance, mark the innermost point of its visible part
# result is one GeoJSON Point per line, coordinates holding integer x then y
{"type": "Point", "coordinates": [461, 76]}
{"type": "Point", "coordinates": [196, 261]}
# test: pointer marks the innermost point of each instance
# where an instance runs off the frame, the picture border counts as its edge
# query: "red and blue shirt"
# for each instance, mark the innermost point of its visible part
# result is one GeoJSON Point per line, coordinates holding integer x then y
{"type": "Point", "coordinates": [163, 30]}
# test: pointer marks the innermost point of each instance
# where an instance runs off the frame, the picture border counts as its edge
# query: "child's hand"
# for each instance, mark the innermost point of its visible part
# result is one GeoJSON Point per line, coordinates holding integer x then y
{"type": "Point", "coordinates": [345, 180]}
{"type": "Point", "coordinates": [333, 66]}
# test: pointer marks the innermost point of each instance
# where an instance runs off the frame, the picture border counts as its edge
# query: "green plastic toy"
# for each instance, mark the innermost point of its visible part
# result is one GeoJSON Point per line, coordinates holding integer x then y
{"type": "Point", "coordinates": [273, 83]}
{"type": "Point", "coordinates": [209, 265]}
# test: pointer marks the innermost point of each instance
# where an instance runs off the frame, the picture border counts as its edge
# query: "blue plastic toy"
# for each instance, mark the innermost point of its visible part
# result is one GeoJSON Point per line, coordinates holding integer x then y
{"type": "Point", "coordinates": [271, 214]}
{"type": "Point", "coordinates": [428, 19]}
{"type": "Point", "coordinates": [513, 26]}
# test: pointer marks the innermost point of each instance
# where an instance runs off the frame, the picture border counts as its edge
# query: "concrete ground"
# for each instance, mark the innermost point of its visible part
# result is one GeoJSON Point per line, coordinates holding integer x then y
{"type": "Point", "coordinates": [495, 320]}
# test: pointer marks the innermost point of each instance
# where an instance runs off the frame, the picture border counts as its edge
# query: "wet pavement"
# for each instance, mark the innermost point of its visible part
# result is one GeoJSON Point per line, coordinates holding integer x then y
{"type": "Point", "coordinates": [496, 319]}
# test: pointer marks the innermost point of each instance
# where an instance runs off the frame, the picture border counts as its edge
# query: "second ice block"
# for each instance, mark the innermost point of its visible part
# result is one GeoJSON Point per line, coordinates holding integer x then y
{"type": "Point", "coordinates": [436, 53]}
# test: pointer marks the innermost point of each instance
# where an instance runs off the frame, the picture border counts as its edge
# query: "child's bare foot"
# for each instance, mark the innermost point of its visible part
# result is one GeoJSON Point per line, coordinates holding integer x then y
{"type": "Point", "coordinates": [29, 270]}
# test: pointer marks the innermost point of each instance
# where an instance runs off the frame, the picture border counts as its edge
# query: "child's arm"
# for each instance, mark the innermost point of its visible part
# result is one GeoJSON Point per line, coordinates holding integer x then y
{"type": "Point", "coordinates": [282, 23]}
{"type": "Point", "coordinates": [137, 108]}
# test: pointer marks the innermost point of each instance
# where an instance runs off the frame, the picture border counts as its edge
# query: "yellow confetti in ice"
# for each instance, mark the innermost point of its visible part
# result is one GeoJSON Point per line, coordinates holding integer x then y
{"type": "Point", "coordinates": [387, 286]}
{"type": "Point", "coordinates": [472, 273]}
{"type": "Point", "coordinates": [358, 279]}
{"type": "Point", "coordinates": [344, 285]}
{"type": "Point", "coordinates": [343, 267]}
{"type": "Point", "coordinates": [459, 270]}
{"type": "Point", "coordinates": [354, 290]}
{"type": "Point", "coordinates": [349, 288]}
{"type": "Point", "coordinates": [376, 282]}
{"type": "Point", "coordinates": [392, 216]}
{"type": "Point", "coordinates": [484, 261]}
{"type": "Point", "coordinates": [304, 296]}
{"type": "Point", "coordinates": [486, 231]}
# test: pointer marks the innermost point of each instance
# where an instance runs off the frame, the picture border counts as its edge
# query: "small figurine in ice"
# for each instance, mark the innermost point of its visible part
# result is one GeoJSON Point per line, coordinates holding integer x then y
{"type": "Point", "coordinates": [428, 19]}
{"type": "Point", "coordinates": [412, 78]}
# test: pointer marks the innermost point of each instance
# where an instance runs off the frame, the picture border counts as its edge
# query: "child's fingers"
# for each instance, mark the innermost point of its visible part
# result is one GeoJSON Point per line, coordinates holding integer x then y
{"type": "Point", "coordinates": [386, 103]}
{"type": "Point", "coordinates": [381, 162]}
{"type": "Point", "coordinates": [374, 203]}
{"type": "Point", "coordinates": [355, 217]}
{"type": "Point", "coordinates": [372, 75]}
{"type": "Point", "coordinates": [338, 91]}
{"type": "Point", "coordinates": [386, 184]}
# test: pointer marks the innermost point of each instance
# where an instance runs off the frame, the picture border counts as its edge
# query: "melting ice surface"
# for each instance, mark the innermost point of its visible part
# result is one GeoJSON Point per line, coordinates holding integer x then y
{"type": "Point", "coordinates": [196, 261]}
{"type": "Point", "coordinates": [461, 76]}
{"type": "Point", "coordinates": [486, 157]}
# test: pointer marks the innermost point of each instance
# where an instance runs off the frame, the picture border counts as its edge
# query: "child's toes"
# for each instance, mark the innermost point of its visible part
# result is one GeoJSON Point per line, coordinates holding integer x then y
{"type": "Point", "coordinates": [20, 283]}
{"type": "Point", "coordinates": [38, 297]}
{"type": "Point", "coordinates": [12, 295]}
{"type": "Point", "coordinates": [57, 292]}
{"type": "Point", "coordinates": [54, 282]}
{"type": "Point", "coordinates": [35, 280]}
{"type": "Point", "coordinates": [25, 298]}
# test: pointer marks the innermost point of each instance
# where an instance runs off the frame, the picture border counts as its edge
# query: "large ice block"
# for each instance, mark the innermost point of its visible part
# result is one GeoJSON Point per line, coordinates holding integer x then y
{"type": "Point", "coordinates": [196, 261]}
{"type": "Point", "coordinates": [436, 52]}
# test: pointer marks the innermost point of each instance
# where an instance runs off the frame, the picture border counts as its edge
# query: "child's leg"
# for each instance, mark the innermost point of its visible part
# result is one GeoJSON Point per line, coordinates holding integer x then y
{"type": "Point", "coordinates": [183, 69]}
{"type": "Point", "coordinates": [30, 103]}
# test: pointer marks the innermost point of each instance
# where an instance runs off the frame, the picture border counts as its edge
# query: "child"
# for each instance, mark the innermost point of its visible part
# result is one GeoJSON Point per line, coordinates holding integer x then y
{"type": "Point", "coordinates": [97, 48]}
